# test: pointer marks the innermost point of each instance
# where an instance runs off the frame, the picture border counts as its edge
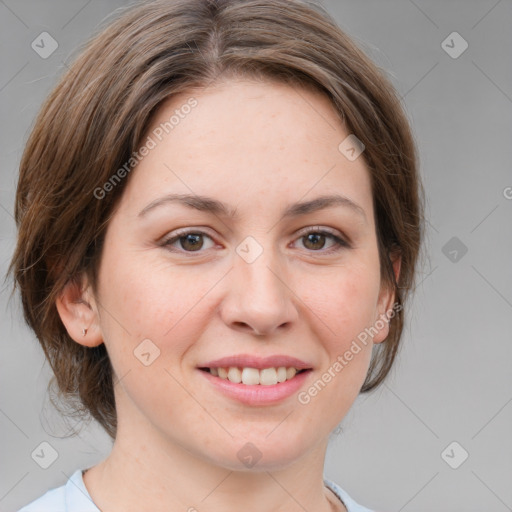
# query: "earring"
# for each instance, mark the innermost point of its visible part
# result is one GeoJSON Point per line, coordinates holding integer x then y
{"type": "Point", "coordinates": [84, 331]}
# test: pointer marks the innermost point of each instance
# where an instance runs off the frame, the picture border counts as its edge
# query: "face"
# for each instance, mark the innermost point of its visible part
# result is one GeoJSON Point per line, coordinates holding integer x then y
{"type": "Point", "coordinates": [245, 279]}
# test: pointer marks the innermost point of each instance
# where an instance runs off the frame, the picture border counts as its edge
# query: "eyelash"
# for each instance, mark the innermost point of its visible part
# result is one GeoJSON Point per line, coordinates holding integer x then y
{"type": "Point", "coordinates": [340, 243]}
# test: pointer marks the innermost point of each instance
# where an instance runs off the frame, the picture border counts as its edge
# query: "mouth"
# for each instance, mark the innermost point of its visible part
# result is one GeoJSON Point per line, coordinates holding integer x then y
{"type": "Point", "coordinates": [255, 377]}
{"type": "Point", "coordinates": [256, 381]}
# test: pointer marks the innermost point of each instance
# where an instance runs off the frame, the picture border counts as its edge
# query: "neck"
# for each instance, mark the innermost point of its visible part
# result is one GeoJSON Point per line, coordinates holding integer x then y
{"type": "Point", "coordinates": [151, 472]}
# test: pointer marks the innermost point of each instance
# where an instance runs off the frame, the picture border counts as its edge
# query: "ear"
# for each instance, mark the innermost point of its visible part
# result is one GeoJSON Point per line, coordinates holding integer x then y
{"type": "Point", "coordinates": [77, 310]}
{"type": "Point", "coordinates": [386, 302]}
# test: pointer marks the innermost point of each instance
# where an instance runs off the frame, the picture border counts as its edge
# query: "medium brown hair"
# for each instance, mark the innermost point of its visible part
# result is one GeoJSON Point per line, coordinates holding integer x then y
{"type": "Point", "coordinates": [102, 107]}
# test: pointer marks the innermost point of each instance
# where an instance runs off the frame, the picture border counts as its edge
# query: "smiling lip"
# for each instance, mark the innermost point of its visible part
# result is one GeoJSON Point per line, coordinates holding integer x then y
{"type": "Point", "coordinates": [257, 394]}
{"type": "Point", "coordinates": [248, 361]}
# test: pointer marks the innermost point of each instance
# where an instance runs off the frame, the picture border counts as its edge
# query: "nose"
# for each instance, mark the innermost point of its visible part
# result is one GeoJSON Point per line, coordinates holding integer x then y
{"type": "Point", "coordinates": [259, 298]}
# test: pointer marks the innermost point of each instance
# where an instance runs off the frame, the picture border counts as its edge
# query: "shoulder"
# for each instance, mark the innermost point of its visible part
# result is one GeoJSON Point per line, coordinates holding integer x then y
{"type": "Point", "coordinates": [70, 497]}
{"type": "Point", "coordinates": [51, 501]}
{"type": "Point", "coordinates": [349, 503]}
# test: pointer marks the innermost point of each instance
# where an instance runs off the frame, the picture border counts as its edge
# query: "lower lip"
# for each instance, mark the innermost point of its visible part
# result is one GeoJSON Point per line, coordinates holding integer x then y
{"type": "Point", "coordinates": [257, 394]}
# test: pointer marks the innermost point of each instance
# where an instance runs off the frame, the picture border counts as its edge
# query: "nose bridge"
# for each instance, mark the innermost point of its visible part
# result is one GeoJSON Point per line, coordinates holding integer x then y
{"type": "Point", "coordinates": [260, 298]}
{"type": "Point", "coordinates": [257, 269]}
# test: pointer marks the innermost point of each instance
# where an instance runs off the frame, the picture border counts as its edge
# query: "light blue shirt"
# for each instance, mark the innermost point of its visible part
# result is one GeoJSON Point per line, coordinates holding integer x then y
{"type": "Point", "coordinates": [73, 497]}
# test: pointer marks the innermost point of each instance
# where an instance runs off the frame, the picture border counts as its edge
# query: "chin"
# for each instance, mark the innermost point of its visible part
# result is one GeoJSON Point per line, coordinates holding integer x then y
{"type": "Point", "coordinates": [259, 454]}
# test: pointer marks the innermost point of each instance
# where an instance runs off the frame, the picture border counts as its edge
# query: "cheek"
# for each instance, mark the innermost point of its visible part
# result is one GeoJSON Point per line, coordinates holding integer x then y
{"type": "Point", "coordinates": [345, 300]}
{"type": "Point", "coordinates": [341, 306]}
{"type": "Point", "coordinates": [155, 314]}
{"type": "Point", "coordinates": [145, 299]}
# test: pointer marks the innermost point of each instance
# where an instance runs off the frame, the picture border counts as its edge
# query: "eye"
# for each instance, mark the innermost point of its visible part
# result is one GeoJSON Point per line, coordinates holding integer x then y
{"type": "Point", "coordinates": [189, 241]}
{"type": "Point", "coordinates": [314, 239]}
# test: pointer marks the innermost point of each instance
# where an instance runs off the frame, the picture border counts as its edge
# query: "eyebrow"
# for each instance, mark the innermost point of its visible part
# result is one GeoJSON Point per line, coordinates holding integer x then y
{"type": "Point", "coordinates": [209, 204]}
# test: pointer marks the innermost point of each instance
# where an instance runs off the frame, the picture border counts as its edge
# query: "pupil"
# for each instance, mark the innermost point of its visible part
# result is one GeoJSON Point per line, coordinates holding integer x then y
{"type": "Point", "coordinates": [314, 238]}
{"type": "Point", "coordinates": [193, 240]}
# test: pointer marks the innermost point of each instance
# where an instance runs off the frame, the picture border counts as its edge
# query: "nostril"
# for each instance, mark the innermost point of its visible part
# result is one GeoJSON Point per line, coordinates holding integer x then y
{"type": "Point", "coordinates": [246, 327]}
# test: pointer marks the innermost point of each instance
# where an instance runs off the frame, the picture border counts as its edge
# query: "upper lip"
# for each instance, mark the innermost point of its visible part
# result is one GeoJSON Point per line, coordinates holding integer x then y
{"type": "Point", "coordinates": [249, 361]}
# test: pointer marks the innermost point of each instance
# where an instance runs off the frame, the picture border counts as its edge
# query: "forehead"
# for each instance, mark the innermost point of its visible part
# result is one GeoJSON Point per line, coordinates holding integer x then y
{"type": "Point", "coordinates": [248, 141]}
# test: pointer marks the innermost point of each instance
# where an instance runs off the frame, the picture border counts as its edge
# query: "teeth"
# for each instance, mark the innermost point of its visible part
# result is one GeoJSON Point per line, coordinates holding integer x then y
{"type": "Point", "coordinates": [268, 376]}
{"type": "Point", "coordinates": [281, 374]}
{"type": "Point", "coordinates": [235, 375]}
{"type": "Point", "coordinates": [253, 376]}
{"type": "Point", "coordinates": [250, 376]}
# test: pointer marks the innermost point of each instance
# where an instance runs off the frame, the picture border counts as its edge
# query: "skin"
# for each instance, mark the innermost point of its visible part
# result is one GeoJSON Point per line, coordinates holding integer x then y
{"type": "Point", "coordinates": [257, 147]}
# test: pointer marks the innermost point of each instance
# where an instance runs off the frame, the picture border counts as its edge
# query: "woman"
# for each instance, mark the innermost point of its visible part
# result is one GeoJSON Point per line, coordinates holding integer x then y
{"type": "Point", "coordinates": [219, 216]}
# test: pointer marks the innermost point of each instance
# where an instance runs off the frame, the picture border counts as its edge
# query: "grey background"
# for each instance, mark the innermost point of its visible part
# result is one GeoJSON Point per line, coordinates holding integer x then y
{"type": "Point", "coordinates": [453, 380]}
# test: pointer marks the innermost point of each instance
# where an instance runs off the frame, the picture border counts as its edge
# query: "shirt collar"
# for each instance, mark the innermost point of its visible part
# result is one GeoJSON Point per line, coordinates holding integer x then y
{"type": "Point", "coordinates": [77, 496]}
